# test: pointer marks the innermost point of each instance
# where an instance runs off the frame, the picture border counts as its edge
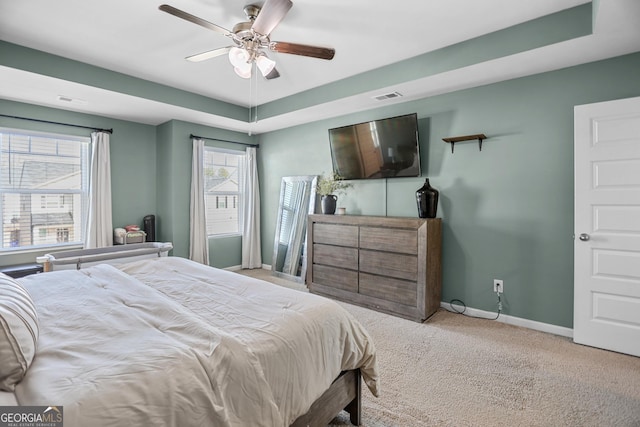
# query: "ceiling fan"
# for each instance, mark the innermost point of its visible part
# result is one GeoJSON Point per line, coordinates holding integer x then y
{"type": "Point", "coordinates": [251, 39]}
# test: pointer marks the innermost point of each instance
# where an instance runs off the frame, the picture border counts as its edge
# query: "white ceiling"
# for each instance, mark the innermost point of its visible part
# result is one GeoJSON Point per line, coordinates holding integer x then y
{"type": "Point", "coordinates": [135, 38]}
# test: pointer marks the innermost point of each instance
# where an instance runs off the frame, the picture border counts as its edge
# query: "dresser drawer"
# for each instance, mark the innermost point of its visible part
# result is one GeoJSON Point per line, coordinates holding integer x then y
{"type": "Point", "coordinates": [336, 234]}
{"type": "Point", "coordinates": [389, 239]}
{"type": "Point", "coordinates": [336, 256]}
{"type": "Point", "coordinates": [389, 264]}
{"type": "Point", "coordinates": [336, 277]}
{"type": "Point", "coordinates": [388, 289]}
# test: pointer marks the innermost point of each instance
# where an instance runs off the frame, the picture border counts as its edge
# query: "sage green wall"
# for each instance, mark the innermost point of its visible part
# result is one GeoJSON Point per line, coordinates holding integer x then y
{"type": "Point", "coordinates": [167, 213]}
{"type": "Point", "coordinates": [174, 185]}
{"type": "Point", "coordinates": [508, 210]}
{"type": "Point", "coordinates": [133, 157]}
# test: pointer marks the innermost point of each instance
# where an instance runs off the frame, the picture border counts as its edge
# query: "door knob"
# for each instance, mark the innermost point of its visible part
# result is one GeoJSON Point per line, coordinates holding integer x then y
{"type": "Point", "coordinates": [584, 237]}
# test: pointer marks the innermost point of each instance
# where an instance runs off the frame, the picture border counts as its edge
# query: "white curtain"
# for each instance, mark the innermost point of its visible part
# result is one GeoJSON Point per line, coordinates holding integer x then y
{"type": "Point", "coordinates": [99, 232]}
{"type": "Point", "coordinates": [251, 252]}
{"type": "Point", "coordinates": [198, 241]}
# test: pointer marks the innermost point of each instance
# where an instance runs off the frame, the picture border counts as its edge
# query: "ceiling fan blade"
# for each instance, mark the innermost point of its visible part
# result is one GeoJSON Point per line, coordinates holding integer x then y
{"type": "Point", "coordinates": [274, 74]}
{"type": "Point", "coordinates": [208, 54]}
{"type": "Point", "coordinates": [303, 50]}
{"type": "Point", "coordinates": [192, 18]}
{"type": "Point", "coordinates": [270, 16]}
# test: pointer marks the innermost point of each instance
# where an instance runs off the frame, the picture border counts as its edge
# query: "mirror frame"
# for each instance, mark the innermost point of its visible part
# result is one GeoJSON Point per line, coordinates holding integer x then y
{"type": "Point", "coordinates": [313, 179]}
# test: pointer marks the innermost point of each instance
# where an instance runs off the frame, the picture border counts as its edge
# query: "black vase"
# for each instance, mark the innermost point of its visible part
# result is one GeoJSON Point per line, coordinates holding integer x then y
{"type": "Point", "coordinates": [329, 204]}
{"type": "Point", "coordinates": [427, 199]}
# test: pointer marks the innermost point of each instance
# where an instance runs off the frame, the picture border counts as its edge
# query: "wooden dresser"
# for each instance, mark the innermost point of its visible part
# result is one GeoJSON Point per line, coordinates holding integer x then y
{"type": "Point", "coordinates": [390, 264]}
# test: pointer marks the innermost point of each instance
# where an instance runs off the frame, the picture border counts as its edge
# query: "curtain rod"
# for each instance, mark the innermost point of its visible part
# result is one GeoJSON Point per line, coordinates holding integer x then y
{"type": "Point", "coordinates": [224, 140]}
{"type": "Point", "coordinates": [57, 123]}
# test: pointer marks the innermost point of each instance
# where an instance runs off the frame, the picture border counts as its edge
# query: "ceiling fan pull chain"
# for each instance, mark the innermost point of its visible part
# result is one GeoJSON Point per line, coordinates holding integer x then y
{"type": "Point", "coordinates": [255, 66]}
{"type": "Point", "coordinates": [253, 98]}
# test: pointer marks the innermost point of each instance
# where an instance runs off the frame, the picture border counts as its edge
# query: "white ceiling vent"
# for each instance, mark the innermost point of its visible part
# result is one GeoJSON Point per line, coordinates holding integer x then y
{"type": "Point", "coordinates": [387, 96]}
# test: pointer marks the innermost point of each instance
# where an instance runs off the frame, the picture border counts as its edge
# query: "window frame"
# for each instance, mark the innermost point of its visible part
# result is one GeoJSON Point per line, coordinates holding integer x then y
{"type": "Point", "coordinates": [41, 194]}
{"type": "Point", "coordinates": [226, 197]}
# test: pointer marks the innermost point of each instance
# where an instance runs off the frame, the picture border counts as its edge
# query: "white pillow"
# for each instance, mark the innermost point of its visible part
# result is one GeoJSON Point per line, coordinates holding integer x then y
{"type": "Point", "coordinates": [18, 332]}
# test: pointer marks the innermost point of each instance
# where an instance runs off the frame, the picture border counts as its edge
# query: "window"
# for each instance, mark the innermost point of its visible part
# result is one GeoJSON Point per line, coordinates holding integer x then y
{"type": "Point", "coordinates": [223, 171]}
{"type": "Point", "coordinates": [44, 184]}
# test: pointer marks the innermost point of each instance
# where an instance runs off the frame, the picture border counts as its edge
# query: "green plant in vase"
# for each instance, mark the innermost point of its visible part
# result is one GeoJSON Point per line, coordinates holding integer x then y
{"type": "Point", "coordinates": [329, 186]}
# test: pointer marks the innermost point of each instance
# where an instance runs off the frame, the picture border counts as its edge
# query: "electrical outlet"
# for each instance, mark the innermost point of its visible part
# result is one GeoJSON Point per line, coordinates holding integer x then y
{"type": "Point", "coordinates": [498, 285]}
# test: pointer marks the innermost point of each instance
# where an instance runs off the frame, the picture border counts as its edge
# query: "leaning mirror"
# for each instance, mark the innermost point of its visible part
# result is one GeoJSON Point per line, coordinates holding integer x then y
{"type": "Point", "coordinates": [297, 200]}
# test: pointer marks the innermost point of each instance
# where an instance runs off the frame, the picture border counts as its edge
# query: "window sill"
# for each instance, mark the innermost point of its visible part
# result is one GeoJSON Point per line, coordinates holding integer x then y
{"type": "Point", "coordinates": [39, 249]}
{"type": "Point", "coordinates": [224, 236]}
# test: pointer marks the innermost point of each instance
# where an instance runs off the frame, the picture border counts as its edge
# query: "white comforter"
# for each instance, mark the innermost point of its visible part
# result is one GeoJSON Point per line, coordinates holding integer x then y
{"type": "Point", "coordinates": [176, 343]}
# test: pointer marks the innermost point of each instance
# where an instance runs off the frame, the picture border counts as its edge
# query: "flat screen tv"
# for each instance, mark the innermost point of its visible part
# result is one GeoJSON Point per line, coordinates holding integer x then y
{"type": "Point", "coordinates": [386, 148]}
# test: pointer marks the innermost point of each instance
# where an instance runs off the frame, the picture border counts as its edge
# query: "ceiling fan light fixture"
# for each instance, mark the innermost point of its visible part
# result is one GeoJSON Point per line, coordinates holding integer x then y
{"type": "Point", "coordinates": [238, 57]}
{"type": "Point", "coordinates": [265, 64]}
{"type": "Point", "coordinates": [245, 73]}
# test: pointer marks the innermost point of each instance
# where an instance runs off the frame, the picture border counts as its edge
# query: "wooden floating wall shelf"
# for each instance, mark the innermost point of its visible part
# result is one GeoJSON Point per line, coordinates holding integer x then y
{"type": "Point", "coordinates": [452, 140]}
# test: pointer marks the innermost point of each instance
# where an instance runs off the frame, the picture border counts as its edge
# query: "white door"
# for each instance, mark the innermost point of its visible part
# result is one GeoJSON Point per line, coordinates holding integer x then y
{"type": "Point", "coordinates": [607, 225]}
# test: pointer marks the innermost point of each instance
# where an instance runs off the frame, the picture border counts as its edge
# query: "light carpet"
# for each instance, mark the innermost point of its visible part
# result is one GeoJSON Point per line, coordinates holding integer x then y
{"type": "Point", "coordinates": [454, 370]}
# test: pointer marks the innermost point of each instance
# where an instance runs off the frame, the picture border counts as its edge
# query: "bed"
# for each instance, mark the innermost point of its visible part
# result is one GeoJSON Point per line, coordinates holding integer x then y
{"type": "Point", "coordinates": [162, 340]}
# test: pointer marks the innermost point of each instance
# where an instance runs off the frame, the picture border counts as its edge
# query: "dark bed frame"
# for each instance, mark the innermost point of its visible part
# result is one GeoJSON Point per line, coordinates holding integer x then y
{"type": "Point", "coordinates": [343, 394]}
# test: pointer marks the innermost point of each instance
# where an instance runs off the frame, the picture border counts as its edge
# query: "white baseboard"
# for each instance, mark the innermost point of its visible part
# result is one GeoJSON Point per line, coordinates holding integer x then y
{"type": "Point", "coordinates": [512, 320]}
